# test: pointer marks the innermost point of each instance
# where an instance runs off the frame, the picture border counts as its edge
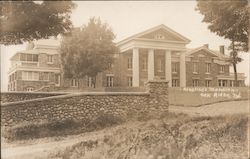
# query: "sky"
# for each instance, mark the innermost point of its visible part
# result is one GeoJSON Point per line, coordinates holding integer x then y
{"type": "Point", "coordinates": [130, 17]}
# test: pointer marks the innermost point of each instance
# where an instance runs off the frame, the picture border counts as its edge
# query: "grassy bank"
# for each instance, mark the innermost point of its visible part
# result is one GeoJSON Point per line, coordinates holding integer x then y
{"type": "Point", "coordinates": [175, 136]}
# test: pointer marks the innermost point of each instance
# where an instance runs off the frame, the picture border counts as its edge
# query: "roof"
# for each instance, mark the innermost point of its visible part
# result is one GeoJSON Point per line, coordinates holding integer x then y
{"type": "Point", "coordinates": [162, 26]}
{"type": "Point", "coordinates": [214, 52]}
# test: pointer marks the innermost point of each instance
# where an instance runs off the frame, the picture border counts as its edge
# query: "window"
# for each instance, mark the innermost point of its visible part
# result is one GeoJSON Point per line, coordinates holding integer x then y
{"type": "Point", "coordinates": [160, 65]}
{"type": "Point", "coordinates": [159, 36]}
{"type": "Point", "coordinates": [207, 83]}
{"type": "Point", "coordinates": [208, 67]}
{"type": "Point", "coordinates": [50, 58]}
{"type": "Point", "coordinates": [174, 67]}
{"type": "Point", "coordinates": [110, 65]}
{"type": "Point", "coordinates": [130, 81]}
{"type": "Point", "coordinates": [46, 76]}
{"type": "Point", "coordinates": [222, 83]}
{"type": "Point", "coordinates": [90, 82]}
{"type": "Point", "coordinates": [74, 83]}
{"type": "Point", "coordinates": [29, 89]}
{"type": "Point", "coordinates": [29, 57]}
{"type": "Point", "coordinates": [144, 64]}
{"type": "Point", "coordinates": [130, 63]}
{"type": "Point", "coordinates": [110, 81]}
{"type": "Point", "coordinates": [195, 67]}
{"type": "Point", "coordinates": [195, 82]}
{"type": "Point", "coordinates": [29, 75]}
{"type": "Point", "coordinates": [231, 83]}
{"type": "Point", "coordinates": [175, 83]}
{"type": "Point", "coordinates": [222, 69]}
{"type": "Point", "coordinates": [57, 79]}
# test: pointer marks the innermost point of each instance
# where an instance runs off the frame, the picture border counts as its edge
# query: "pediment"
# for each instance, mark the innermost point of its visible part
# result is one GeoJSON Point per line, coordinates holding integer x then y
{"type": "Point", "coordinates": [161, 34]}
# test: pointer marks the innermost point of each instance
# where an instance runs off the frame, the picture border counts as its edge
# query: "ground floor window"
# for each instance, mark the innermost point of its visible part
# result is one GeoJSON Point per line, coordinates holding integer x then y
{"type": "Point", "coordinates": [195, 82]}
{"type": "Point", "coordinates": [90, 82]}
{"type": "Point", "coordinates": [231, 83]}
{"type": "Point", "coordinates": [57, 79]}
{"type": "Point", "coordinates": [222, 83]}
{"type": "Point", "coordinates": [110, 81]}
{"type": "Point", "coordinates": [29, 75]}
{"type": "Point", "coordinates": [175, 83]}
{"type": "Point", "coordinates": [208, 83]}
{"type": "Point", "coordinates": [130, 81]}
{"type": "Point", "coordinates": [74, 82]}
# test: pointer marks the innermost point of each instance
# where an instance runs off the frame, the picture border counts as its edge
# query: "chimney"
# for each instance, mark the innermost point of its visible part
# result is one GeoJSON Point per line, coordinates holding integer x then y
{"type": "Point", "coordinates": [30, 46]}
{"type": "Point", "coordinates": [206, 46]}
{"type": "Point", "coordinates": [222, 49]}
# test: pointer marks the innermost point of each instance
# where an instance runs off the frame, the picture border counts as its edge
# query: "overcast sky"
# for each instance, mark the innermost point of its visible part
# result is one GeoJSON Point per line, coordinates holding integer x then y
{"type": "Point", "coordinates": [128, 18]}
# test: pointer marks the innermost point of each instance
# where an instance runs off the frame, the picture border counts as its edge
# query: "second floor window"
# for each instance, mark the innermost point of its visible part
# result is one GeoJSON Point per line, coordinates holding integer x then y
{"type": "Point", "coordinates": [222, 69]}
{"type": "Point", "coordinates": [130, 64]}
{"type": "Point", "coordinates": [174, 67]}
{"type": "Point", "coordinates": [50, 58]}
{"type": "Point", "coordinates": [195, 67]}
{"type": "Point", "coordinates": [29, 57]}
{"type": "Point", "coordinates": [208, 67]}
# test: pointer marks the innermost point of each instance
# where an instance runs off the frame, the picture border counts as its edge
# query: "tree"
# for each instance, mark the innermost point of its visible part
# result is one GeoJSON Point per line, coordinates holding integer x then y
{"type": "Point", "coordinates": [23, 21]}
{"type": "Point", "coordinates": [88, 50]}
{"type": "Point", "coordinates": [228, 19]}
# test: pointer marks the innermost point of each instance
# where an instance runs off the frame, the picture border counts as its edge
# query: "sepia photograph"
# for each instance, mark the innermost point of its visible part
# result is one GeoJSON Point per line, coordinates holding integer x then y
{"type": "Point", "coordinates": [125, 79]}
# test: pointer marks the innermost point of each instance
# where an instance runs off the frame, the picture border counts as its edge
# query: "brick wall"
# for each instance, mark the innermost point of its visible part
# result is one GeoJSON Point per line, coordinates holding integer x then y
{"type": "Point", "coordinates": [202, 76]}
{"type": "Point", "coordinates": [87, 106]}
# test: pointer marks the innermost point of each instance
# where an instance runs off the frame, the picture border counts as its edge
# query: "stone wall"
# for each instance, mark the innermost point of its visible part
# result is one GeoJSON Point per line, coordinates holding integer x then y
{"type": "Point", "coordinates": [87, 106]}
{"type": "Point", "coordinates": [7, 97]}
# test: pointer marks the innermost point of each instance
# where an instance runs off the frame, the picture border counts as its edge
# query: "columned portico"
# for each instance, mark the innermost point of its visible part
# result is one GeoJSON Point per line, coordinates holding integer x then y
{"type": "Point", "coordinates": [157, 42]}
{"type": "Point", "coordinates": [151, 68]}
{"type": "Point", "coordinates": [168, 69]}
{"type": "Point", "coordinates": [135, 66]}
{"type": "Point", "coordinates": [182, 70]}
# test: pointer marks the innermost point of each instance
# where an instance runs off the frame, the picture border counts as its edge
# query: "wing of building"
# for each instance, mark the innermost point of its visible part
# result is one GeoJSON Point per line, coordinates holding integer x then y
{"type": "Point", "coordinates": [157, 53]}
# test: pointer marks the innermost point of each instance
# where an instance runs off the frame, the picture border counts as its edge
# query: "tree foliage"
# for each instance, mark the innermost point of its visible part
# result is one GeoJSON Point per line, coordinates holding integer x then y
{"type": "Point", "coordinates": [88, 50]}
{"type": "Point", "coordinates": [228, 19]}
{"type": "Point", "coordinates": [23, 21]}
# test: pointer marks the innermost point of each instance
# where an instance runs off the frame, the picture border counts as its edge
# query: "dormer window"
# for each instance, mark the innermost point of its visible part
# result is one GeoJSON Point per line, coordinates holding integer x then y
{"type": "Point", "coordinates": [159, 36]}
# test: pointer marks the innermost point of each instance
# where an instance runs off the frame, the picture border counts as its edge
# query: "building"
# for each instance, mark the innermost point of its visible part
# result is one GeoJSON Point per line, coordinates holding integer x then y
{"type": "Point", "coordinates": [35, 68]}
{"type": "Point", "coordinates": [157, 53]}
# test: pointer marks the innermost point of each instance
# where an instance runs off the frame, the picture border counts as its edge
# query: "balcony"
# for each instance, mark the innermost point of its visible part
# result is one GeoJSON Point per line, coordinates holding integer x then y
{"type": "Point", "coordinates": [26, 64]}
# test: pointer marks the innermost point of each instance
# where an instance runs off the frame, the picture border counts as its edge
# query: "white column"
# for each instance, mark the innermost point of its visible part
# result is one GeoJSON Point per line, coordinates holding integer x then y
{"type": "Point", "coordinates": [168, 67]}
{"type": "Point", "coordinates": [151, 65]}
{"type": "Point", "coordinates": [182, 70]}
{"type": "Point", "coordinates": [135, 67]}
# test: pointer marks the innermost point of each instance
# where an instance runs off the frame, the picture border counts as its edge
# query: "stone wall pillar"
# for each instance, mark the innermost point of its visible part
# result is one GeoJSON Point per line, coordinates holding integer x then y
{"type": "Point", "coordinates": [158, 90]}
